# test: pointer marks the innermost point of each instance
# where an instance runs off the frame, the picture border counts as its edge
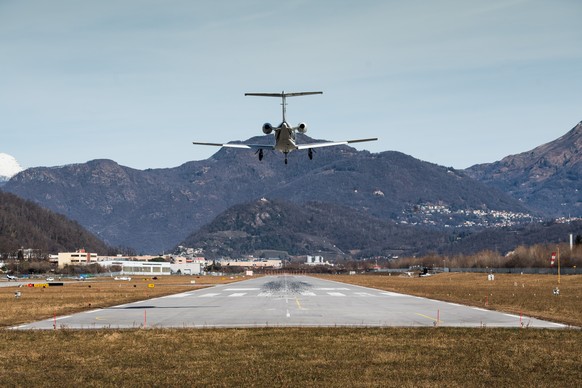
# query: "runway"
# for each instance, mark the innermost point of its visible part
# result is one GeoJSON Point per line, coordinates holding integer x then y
{"type": "Point", "coordinates": [288, 301]}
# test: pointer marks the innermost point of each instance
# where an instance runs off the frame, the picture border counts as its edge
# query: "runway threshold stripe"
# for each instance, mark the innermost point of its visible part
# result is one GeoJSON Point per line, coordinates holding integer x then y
{"type": "Point", "coordinates": [392, 294]}
{"type": "Point", "coordinates": [237, 294]}
{"type": "Point", "coordinates": [242, 289]}
{"type": "Point", "coordinates": [176, 295]}
{"type": "Point", "coordinates": [209, 295]}
{"type": "Point", "coordinates": [332, 289]}
{"type": "Point", "coordinates": [336, 294]}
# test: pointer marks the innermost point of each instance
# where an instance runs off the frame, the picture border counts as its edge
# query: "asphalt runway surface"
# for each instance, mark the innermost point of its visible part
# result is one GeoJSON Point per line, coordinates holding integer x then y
{"type": "Point", "coordinates": [288, 301]}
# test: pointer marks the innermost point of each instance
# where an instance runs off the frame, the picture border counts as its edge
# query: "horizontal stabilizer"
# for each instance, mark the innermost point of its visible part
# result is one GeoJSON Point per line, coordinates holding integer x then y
{"type": "Point", "coordinates": [283, 94]}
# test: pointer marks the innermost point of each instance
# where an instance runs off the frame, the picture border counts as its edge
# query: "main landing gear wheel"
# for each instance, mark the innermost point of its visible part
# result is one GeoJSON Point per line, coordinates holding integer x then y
{"type": "Point", "coordinates": [260, 152]}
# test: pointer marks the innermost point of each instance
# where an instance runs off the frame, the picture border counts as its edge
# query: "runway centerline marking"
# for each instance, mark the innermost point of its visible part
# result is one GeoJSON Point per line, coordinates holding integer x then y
{"type": "Point", "coordinates": [237, 294]}
{"type": "Point", "coordinates": [335, 294]}
{"type": "Point", "coordinates": [298, 304]}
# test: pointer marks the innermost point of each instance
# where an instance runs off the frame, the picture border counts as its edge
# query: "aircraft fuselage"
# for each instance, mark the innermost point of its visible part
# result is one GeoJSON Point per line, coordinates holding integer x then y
{"type": "Point", "coordinates": [285, 138]}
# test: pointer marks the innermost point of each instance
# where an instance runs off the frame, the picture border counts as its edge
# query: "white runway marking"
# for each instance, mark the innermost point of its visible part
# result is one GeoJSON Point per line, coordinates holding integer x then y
{"type": "Point", "coordinates": [237, 294]}
{"type": "Point", "coordinates": [332, 289]}
{"type": "Point", "coordinates": [177, 295]}
{"type": "Point", "coordinates": [388, 293]}
{"type": "Point", "coordinates": [242, 289]}
{"type": "Point", "coordinates": [364, 294]}
{"type": "Point", "coordinates": [336, 294]}
{"type": "Point", "coordinates": [209, 295]}
{"type": "Point", "coordinates": [307, 293]}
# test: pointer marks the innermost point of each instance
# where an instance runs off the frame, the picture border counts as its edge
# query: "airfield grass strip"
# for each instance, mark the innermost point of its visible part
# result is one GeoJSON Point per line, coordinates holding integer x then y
{"type": "Point", "coordinates": [37, 303]}
{"type": "Point", "coordinates": [530, 295]}
{"type": "Point", "coordinates": [284, 357]}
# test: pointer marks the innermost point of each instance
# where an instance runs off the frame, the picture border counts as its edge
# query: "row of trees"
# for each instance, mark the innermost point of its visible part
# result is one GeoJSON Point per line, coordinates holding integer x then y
{"type": "Point", "coordinates": [535, 256]}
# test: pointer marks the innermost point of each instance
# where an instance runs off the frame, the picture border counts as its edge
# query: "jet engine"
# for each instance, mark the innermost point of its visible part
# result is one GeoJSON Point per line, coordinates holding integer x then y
{"type": "Point", "coordinates": [302, 127]}
{"type": "Point", "coordinates": [267, 128]}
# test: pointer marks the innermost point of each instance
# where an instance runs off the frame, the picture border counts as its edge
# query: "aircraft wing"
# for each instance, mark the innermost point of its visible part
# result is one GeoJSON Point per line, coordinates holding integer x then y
{"type": "Point", "coordinates": [237, 145]}
{"type": "Point", "coordinates": [230, 145]}
{"type": "Point", "coordinates": [332, 143]}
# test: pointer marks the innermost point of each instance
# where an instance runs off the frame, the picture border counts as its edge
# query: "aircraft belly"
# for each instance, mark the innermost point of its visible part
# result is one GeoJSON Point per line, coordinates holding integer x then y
{"type": "Point", "coordinates": [286, 146]}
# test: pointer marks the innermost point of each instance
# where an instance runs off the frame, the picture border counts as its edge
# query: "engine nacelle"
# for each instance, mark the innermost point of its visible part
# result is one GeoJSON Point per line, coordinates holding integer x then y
{"type": "Point", "coordinates": [302, 127]}
{"type": "Point", "coordinates": [267, 128]}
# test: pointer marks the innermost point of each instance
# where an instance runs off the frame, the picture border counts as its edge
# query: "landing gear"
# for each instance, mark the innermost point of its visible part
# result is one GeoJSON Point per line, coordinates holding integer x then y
{"type": "Point", "coordinates": [310, 153]}
{"type": "Point", "coordinates": [260, 152]}
{"type": "Point", "coordinates": [286, 157]}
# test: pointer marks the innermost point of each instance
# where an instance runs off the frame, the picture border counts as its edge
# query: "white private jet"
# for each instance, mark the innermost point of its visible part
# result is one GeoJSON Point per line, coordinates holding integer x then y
{"type": "Point", "coordinates": [10, 277]}
{"type": "Point", "coordinates": [285, 133]}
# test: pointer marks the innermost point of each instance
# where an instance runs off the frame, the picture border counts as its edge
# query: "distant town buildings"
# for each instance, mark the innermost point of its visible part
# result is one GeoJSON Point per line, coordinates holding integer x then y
{"type": "Point", "coordinates": [317, 260]}
{"type": "Point", "coordinates": [443, 215]}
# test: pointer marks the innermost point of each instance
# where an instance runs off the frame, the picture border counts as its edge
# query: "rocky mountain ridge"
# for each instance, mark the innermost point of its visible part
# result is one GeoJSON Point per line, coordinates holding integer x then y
{"type": "Point", "coordinates": [152, 210]}
{"type": "Point", "coordinates": [547, 178]}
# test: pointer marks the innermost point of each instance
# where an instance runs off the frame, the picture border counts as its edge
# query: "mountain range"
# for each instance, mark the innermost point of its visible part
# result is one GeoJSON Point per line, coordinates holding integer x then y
{"type": "Point", "coordinates": [153, 210]}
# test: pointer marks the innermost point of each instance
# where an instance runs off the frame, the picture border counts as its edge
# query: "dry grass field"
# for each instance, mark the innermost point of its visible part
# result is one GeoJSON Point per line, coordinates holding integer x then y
{"type": "Point", "coordinates": [292, 357]}
{"type": "Point", "coordinates": [297, 357]}
{"type": "Point", "coordinates": [531, 295]}
{"type": "Point", "coordinates": [36, 303]}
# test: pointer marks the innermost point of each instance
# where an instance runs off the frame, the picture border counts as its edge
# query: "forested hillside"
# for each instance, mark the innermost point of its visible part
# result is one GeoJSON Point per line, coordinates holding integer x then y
{"type": "Point", "coordinates": [152, 210]}
{"type": "Point", "coordinates": [310, 228]}
{"type": "Point", "coordinates": [24, 224]}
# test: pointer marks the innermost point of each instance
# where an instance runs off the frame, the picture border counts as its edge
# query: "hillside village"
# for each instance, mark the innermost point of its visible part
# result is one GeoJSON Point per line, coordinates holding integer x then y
{"type": "Point", "coordinates": [442, 215]}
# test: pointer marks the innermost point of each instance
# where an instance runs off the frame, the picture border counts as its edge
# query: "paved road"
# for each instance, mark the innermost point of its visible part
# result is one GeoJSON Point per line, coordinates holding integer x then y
{"type": "Point", "coordinates": [288, 300]}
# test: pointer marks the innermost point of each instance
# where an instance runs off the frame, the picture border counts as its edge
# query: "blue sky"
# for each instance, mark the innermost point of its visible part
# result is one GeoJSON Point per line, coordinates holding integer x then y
{"type": "Point", "coordinates": [450, 82]}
